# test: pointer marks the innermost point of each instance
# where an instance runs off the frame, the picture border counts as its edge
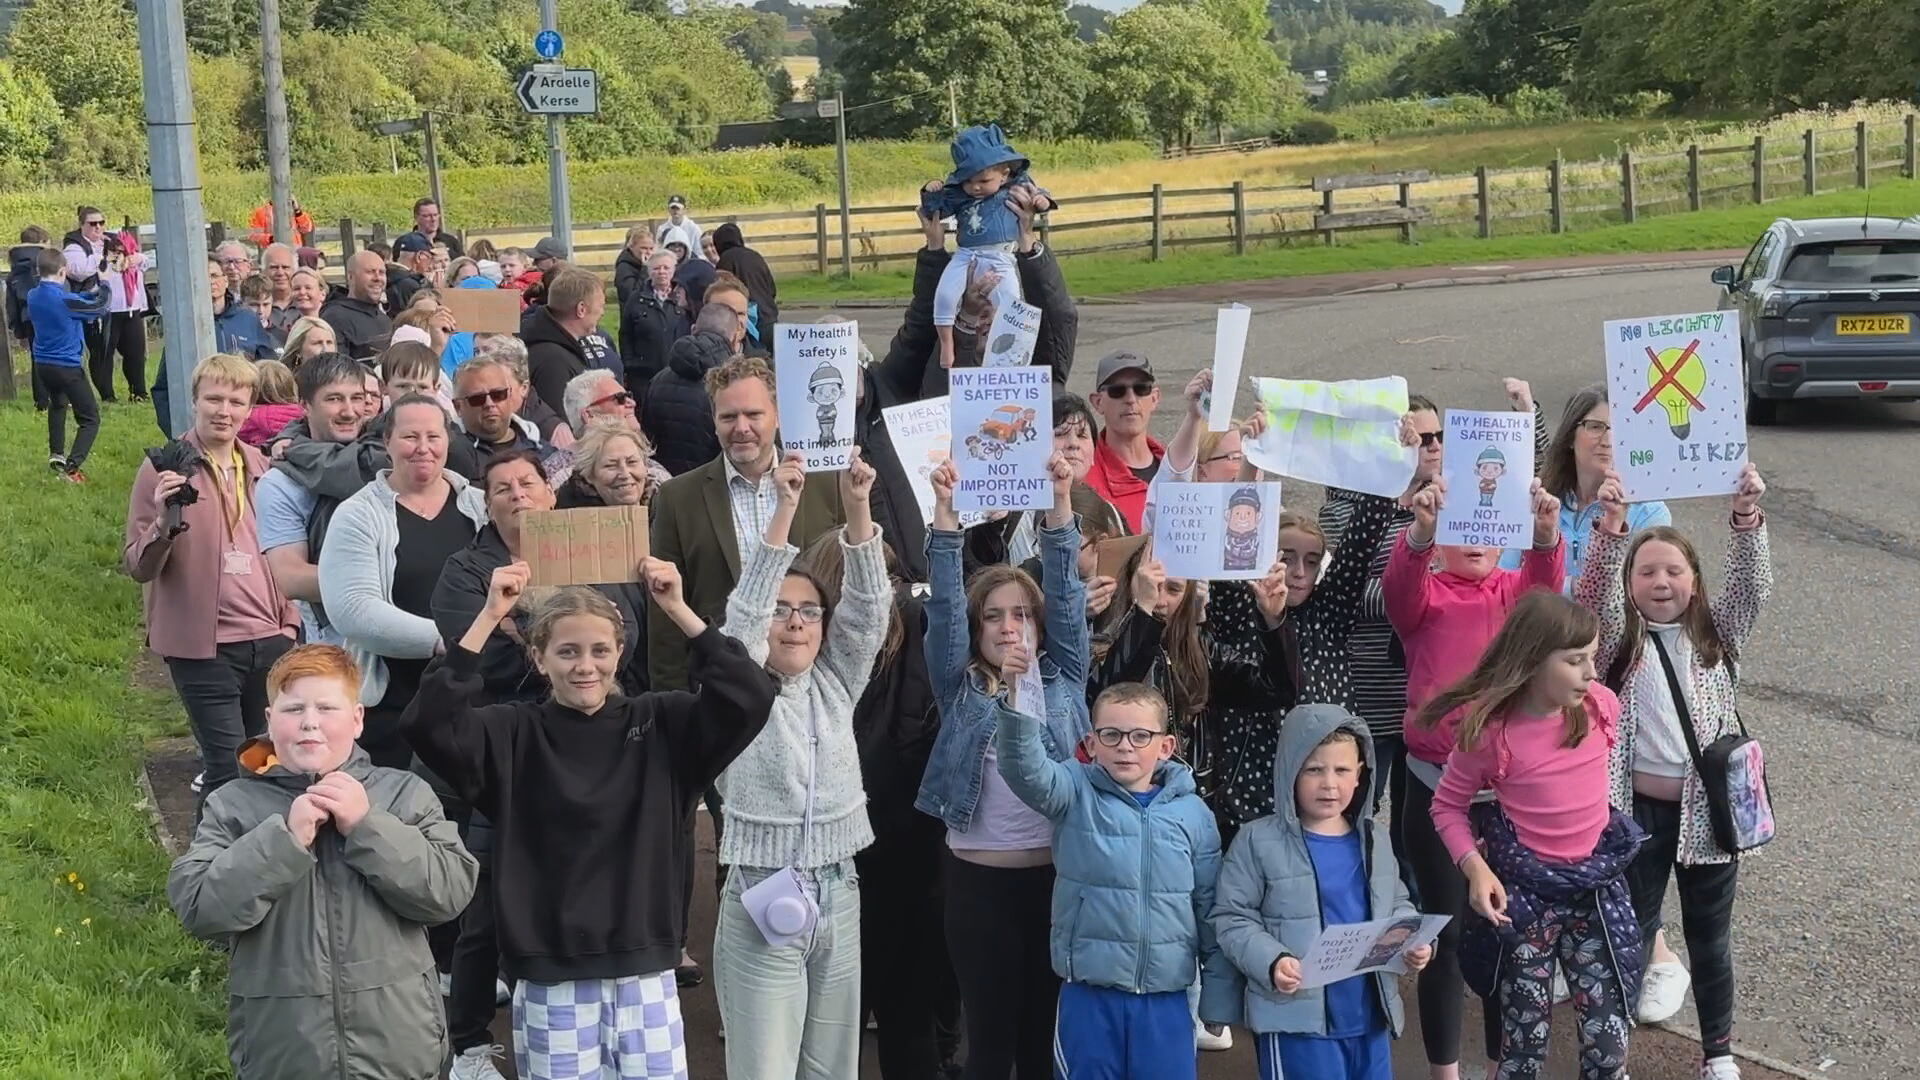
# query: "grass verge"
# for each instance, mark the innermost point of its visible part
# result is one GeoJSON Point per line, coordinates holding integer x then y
{"type": "Point", "coordinates": [1116, 275]}
{"type": "Point", "coordinates": [97, 979]}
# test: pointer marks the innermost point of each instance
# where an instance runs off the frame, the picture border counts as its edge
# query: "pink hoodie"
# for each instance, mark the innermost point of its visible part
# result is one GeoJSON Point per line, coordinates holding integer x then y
{"type": "Point", "coordinates": [1446, 621]}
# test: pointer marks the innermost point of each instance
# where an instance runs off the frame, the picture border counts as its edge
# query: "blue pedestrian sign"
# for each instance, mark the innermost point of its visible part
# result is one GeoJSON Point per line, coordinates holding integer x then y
{"type": "Point", "coordinates": [547, 44]}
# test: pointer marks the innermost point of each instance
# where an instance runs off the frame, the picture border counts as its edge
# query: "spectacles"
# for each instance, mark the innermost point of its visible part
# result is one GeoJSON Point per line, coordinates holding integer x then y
{"type": "Point", "coordinates": [809, 613]}
{"type": "Point", "coordinates": [1236, 457]}
{"type": "Point", "coordinates": [497, 396]}
{"type": "Point", "coordinates": [1138, 738]}
{"type": "Point", "coordinates": [1117, 391]}
{"type": "Point", "coordinates": [233, 260]}
{"type": "Point", "coordinates": [618, 397]}
{"type": "Point", "coordinates": [1432, 438]}
{"type": "Point", "coordinates": [1595, 427]}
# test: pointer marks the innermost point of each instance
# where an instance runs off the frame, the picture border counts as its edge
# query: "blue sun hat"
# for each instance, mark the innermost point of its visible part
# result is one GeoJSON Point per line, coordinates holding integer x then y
{"type": "Point", "coordinates": [979, 147]}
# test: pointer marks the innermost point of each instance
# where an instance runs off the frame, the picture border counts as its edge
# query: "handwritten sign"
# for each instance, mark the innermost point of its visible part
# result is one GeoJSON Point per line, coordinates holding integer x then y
{"type": "Point", "coordinates": [1677, 391]}
{"type": "Point", "coordinates": [1348, 949]}
{"type": "Point", "coordinates": [1010, 341]}
{"type": "Point", "coordinates": [1489, 468]}
{"type": "Point", "coordinates": [1229, 352]}
{"type": "Point", "coordinates": [1339, 434]}
{"type": "Point", "coordinates": [1112, 555]}
{"type": "Point", "coordinates": [816, 366]}
{"type": "Point", "coordinates": [1002, 437]}
{"type": "Point", "coordinates": [588, 546]}
{"type": "Point", "coordinates": [483, 311]}
{"type": "Point", "coordinates": [922, 440]}
{"type": "Point", "coordinates": [1217, 532]}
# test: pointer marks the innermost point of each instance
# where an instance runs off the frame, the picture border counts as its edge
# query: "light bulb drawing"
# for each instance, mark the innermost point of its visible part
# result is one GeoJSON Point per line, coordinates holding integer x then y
{"type": "Point", "coordinates": [1675, 379]}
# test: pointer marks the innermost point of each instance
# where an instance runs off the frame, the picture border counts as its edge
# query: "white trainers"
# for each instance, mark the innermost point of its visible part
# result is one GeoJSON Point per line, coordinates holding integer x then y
{"type": "Point", "coordinates": [1720, 1068]}
{"type": "Point", "coordinates": [1662, 992]}
{"type": "Point", "coordinates": [1207, 1040]}
{"type": "Point", "coordinates": [502, 994]}
{"type": "Point", "coordinates": [476, 1063]}
{"type": "Point", "coordinates": [1561, 993]}
{"type": "Point", "coordinates": [198, 783]}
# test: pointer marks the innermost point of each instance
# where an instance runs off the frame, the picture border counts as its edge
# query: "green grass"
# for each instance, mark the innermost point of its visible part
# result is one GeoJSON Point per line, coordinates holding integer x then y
{"type": "Point", "coordinates": [1115, 275]}
{"type": "Point", "coordinates": [97, 981]}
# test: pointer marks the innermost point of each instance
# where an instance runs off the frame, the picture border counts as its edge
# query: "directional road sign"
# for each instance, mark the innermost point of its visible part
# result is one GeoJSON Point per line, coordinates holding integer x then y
{"type": "Point", "coordinates": [547, 44]}
{"type": "Point", "coordinates": [550, 90]}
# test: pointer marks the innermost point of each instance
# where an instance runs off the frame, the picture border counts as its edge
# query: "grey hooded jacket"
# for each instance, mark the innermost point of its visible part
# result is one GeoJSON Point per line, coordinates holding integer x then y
{"type": "Point", "coordinates": [330, 977]}
{"type": "Point", "coordinates": [1267, 902]}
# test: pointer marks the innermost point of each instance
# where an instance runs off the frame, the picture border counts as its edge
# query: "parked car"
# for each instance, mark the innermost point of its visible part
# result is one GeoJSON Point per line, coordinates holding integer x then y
{"type": "Point", "coordinates": [1829, 308]}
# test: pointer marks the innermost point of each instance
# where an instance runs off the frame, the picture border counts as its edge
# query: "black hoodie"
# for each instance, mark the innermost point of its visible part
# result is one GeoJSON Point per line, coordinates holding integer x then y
{"type": "Point", "coordinates": [554, 356]}
{"type": "Point", "coordinates": [677, 415]}
{"type": "Point", "coordinates": [22, 276]}
{"type": "Point", "coordinates": [743, 262]}
{"type": "Point", "coordinates": [361, 327]}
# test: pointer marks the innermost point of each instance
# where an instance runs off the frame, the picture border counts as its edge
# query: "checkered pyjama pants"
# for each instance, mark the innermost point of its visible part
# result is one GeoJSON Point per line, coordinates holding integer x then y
{"type": "Point", "coordinates": [599, 1029]}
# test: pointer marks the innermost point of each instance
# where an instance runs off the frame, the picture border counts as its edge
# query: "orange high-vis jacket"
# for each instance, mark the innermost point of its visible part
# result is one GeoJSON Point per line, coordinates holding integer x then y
{"type": "Point", "coordinates": [261, 227]}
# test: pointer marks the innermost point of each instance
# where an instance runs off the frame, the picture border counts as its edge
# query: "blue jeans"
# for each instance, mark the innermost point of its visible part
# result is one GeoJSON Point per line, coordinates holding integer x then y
{"type": "Point", "coordinates": [793, 1010]}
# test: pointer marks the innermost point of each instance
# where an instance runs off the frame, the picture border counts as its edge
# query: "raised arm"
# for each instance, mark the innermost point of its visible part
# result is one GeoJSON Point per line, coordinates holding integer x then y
{"type": "Point", "coordinates": [866, 596]}
{"type": "Point", "coordinates": [1183, 453]}
{"type": "Point", "coordinates": [1068, 639]}
{"type": "Point", "coordinates": [915, 347]}
{"type": "Point", "coordinates": [1406, 583]}
{"type": "Point", "coordinates": [1747, 582]}
{"type": "Point", "coordinates": [949, 639]}
{"type": "Point", "coordinates": [1600, 588]}
{"type": "Point", "coordinates": [1048, 786]}
{"type": "Point", "coordinates": [230, 878]}
{"type": "Point", "coordinates": [148, 539]}
{"type": "Point", "coordinates": [1045, 287]}
{"type": "Point", "coordinates": [711, 727]}
{"type": "Point", "coordinates": [411, 855]}
{"type": "Point", "coordinates": [1335, 603]}
{"type": "Point", "coordinates": [1544, 565]}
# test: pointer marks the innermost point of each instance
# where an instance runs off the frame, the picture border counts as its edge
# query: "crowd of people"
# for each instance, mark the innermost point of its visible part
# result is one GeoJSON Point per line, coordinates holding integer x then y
{"type": "Point", "coordinates": [1025, 815]}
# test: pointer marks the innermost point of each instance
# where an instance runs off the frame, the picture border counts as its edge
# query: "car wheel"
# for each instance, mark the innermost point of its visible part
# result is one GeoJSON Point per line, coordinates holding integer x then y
{"type": "Point", "coordinates": [1762, 411]}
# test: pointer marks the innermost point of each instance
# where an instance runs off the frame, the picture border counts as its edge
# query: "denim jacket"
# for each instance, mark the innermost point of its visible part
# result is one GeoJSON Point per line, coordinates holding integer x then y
{"type": "Point", "coordinates": [950, 790]}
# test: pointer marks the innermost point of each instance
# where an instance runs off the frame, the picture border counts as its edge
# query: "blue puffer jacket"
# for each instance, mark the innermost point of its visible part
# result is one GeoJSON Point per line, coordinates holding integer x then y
{"type": "Point", "coordinates": [1134, 884]}
{"type": "Point", "coordinates": [1267, 902]}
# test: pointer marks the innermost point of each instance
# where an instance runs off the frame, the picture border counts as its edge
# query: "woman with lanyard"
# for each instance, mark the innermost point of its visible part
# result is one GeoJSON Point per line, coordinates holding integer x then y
{"type": "Point", "coordinates": [213, 610]}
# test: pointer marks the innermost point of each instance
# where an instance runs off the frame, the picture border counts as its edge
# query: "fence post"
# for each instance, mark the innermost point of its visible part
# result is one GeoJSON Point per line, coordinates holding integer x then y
{"type": "Point", "coordinates": [1810, 164]}
{"type": "Point", "coordinates": [1483, 211]}
{"type": "Point", "coordinates": [1759, 168]}
{"type": "Point", "coordinates": [1693, 176]}
{"type": "Point", "coordinates": [1557, 194]}
{"type": "Point", "coordinates": [1913, 150]}
{"type": "Point", "coordinates": [820, 239]}
{"type": "Point", "coordinates": [1326, 207]}
{"type": "Point", "coordinates": [1406, 203]}
{"type": "Point", "coordinates": [378, 234]}
{"type": "Point", "coordinates": [1629, 197]}
{"type": "Point", "coordinates": [1159, 210]}
{"type": "Point", "coordinates": [1862, 166]}
{"type": "Point", "coordinates": [346, 239]}
{"type": "Point", "coordinates": [1239, 217]}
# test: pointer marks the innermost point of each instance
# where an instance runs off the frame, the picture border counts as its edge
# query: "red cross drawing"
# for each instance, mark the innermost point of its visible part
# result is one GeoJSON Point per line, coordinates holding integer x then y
{"type": "Point", "coordinates": [1667, 377]}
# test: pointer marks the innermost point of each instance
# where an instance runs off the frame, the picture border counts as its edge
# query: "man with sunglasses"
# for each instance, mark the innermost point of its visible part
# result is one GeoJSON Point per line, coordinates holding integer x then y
{"type": "Point", "coordinates": [1126, 459]}
{"type": "Point", "coordinates": [591, 395]}
{"type": "Point", "coordinates": [487, 396]}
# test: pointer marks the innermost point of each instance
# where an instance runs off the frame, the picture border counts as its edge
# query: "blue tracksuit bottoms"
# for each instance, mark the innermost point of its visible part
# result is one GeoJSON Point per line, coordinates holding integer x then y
{"type": "Point", "coordinates": [1317, 1057]}
{"type": "Point", "coordinates": [1105, 1034]}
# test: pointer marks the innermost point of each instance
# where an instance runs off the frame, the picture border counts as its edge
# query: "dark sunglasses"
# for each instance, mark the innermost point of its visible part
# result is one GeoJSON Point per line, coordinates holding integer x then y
{"type": "Point", "coordinates": [496, 396]}
{"type": "Point", "coordinates": [1138, 738]}
{"type": "Point", "coordinates": [96, 224]}
{"type": "Point", "coordinates": [1117, 391]}
{"type": "Point", "coordinates": [618, 397]}
{"type": "Point", "coordinates": [1432, 438]}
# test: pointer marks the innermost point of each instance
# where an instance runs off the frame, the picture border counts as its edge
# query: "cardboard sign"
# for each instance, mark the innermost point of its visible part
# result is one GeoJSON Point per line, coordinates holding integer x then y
{"type": "Point", "coordinates": [1489, 469]}
{"type": "Point", "coordinates": [1217, 532]}
{"type": "Point", "coordinates": [589, 546]}
{"type": "Point", "coordinates": [922, 440]}
{"type": "Point", "coordinates": [816, 366]}
{"type": "Point", "coordinates": [1348, 949]}
{"type": "Point", "coordinates": [1338, 434]}
{"type": "Point", "coordinates": [1002, 421]}
{"type": "Point", "coordinates": [1111, 555]}
{"type": "Point", "coordinates": [483, 311]}
{"type": "Point", "coordinates": [1229, 352]}
{"type": "Point", "coordinates": [1010, 341]}
{"type": "Point", "coordinates": [1678, 397]}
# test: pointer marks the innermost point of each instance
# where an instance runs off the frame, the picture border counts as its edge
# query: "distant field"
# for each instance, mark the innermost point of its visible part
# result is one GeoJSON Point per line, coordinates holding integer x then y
{"type": "Point", "coordinates": [802, 68]}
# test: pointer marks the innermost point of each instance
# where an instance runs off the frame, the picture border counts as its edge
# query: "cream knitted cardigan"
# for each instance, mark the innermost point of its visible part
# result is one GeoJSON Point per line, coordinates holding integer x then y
{"type": "Point", "coordinates": [766, 786]}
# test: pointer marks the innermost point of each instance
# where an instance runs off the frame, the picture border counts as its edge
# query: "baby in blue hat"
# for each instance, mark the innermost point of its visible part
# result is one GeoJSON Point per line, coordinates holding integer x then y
{"type": "Point", "coordinates": [986, 171]}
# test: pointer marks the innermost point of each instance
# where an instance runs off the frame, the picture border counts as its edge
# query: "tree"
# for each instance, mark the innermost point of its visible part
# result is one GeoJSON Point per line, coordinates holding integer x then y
{"type": "Point", "coordinates": [29, 117]}
{"type": "Point", "coordinates": [61, 44]}
{"type": "Point", "coordinates": [1088, 21]}
{"type": "Point", "coordinates": [1170, 70]}
{"type": "Point", "coordinates": [210, 25]}
{"type": "Point", "coordinates": [1515, 43]}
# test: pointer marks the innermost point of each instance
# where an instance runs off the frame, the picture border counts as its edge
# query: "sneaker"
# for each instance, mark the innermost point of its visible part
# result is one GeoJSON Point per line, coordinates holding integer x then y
{"type": "Point", "coordinates": [1206, 1038]}
{"type": "Point", "coordinates": [139, 399]}
{"type": "Point", "coordinates": [1662, 992]}
{"type": "Point", "coordinates": [502, 994]}
{"type": "Point", "coordinates": [1720, 1068]}
{"type": "Point", "coordinates": [1561, 993]}
{"type": "Point", "coordinates": [57, 462]}
{"type": "Point", "coordinates": [476, 1063]}
{"type": "Point", "coordinates": [198, 783]}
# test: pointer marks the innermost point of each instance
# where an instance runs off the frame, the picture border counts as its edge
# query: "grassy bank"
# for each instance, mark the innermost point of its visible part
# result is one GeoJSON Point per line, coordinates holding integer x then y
{"type": "Point", "coordinates": [99, 980]}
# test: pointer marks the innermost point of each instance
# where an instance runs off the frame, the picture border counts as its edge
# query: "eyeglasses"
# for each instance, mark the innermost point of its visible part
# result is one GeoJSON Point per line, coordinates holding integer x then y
{"type": "Point", "coordinates": [1595, 427]}
{"type": "Point", "coordinates": [1138, 738]}
{"type": "Point", "coordinates": [1117, 391]}
{"type": "Point", "coordinates": [233, 260]}
{"type": "Point", "coordinates": [1236, 457]}
{"type": "Point", "coordinates": [618, 397]}
{"type": "Point", "coordinates": [497, 396]}
{"type": "Point", "coordinates": [809, 613]}
{"type": "Point", "coordinates": [1432, 438]}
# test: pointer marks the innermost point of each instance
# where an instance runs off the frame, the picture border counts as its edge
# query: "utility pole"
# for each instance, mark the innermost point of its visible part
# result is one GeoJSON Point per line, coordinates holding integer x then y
{"type": "Point", "coordinates": [180, 223]}
{"type": "Point", "coordinates": [279, 146]}
{"type": "Point", "coordinates": [557, 155]}
{"type": "Point", "coordinates": [433, 162]}
{"type": "Point", "coordinates": [953, 105]}
{"type": "Point", "coordinates": [846, 188]}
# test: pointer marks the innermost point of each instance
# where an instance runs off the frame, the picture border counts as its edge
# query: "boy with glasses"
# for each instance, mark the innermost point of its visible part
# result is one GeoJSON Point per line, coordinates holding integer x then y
{"type": "Point", "coordinates": [1136, 852]}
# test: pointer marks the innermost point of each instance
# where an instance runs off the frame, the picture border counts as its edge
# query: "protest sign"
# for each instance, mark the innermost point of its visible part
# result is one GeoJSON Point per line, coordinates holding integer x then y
{"type": "Point", "coordinates": [1489, 469]}
{"type": "Point", "coordinates": [1338, 434]}
{"type": "Point", "coordinates": [588, 546]}
{"type": "Point", "coordinates": [1002, 421]}
{"type": "Point", "coordinates": [1029, 689]}
{"type": "Point", "coordinates": [1678, 395]}
{"type": "Point", "coordinates": [815, 366]}
{"type": "Point", "coordinates": [483, 311]}
{"type": "Point", "coordinates": [1216, 532]}
{"type": "Point", "coordinates": [1110, 556]}
{"type": "Point", "coordinates": [1229, 351]}
{"type": "Point", "coordinates": [922, 442]}
{"type": "Point", "coordinates": [1349, 949]}
{"type": "Point", "coordinates": [1010, 341]}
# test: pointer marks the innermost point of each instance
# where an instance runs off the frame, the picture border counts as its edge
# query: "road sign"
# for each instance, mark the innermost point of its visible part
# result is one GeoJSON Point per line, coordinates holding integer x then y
{"type": "Point", "coordinates": [828, 109]}
{"type": "Point", "coordinates": [560, 91]}
{"type": "Point", "coordinates": [547, 44]}
{"type": "Point", "coordinates": [400, 127]}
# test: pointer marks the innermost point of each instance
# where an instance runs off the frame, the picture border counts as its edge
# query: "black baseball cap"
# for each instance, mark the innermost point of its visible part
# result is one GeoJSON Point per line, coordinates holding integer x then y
{"type": "Point", "coordinates": [411, 244]}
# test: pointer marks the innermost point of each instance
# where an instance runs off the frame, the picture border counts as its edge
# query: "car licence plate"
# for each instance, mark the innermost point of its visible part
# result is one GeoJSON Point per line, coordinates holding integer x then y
{"type": "Point", "coordinates": [1873, 324]}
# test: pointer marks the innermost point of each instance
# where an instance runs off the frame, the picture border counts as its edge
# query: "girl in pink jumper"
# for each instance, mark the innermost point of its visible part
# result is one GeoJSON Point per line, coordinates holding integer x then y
{"type": "Point", "coordinates": [1546, 864]}
{"type": "Point", "coordinates": [1444, 619]}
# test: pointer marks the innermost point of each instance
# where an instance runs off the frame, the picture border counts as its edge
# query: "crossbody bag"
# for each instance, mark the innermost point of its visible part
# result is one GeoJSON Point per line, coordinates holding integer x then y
{"type": "Point", "coordinates": [1733, 773]}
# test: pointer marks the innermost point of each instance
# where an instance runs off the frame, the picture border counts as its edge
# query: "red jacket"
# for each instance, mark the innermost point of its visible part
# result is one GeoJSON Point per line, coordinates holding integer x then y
{"type": "Point", "coordinates": [1115, 482]}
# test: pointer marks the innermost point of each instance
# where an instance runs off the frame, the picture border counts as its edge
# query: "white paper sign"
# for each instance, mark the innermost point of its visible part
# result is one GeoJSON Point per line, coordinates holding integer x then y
{"type": "Point", "coordinates": [1489, 469]}
{"type": "Point", "coordinates": [1216, 532]}
{"type": "Point", "coordinates": [1678, 398]}
{"type": "Point", "coordinates": [1002, 437]}
{"type": "Point", "coordinates": [815, 365]}
{"type": "Point", "coordinates": [922, 442]}
{"type": "Point", "coordinates": [1339, 434]}
{"type": "Point", "coordinates": [1350, 949]}
{"type": "Point", "coordinates": [1029, 689]}
{"type": "Point", "coordinates": [1229, 351]}
{"type": "Point", "coordinates": [1016, 326]}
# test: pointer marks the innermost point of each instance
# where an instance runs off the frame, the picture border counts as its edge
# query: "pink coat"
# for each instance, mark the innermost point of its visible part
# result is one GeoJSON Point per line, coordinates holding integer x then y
{"type": "Point", "coordinates": [266, 421]}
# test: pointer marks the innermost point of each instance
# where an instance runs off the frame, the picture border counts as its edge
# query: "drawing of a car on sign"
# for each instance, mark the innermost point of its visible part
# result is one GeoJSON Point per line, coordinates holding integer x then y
{"type": "Point", "coordinates": [936, 456]}
{"type": "Point", "coordinates": [1005, 426]}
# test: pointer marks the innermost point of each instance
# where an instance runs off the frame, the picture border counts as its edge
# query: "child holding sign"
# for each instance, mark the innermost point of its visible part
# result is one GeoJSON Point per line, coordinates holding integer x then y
{"type": "Point", "coordinates": [988, 174]}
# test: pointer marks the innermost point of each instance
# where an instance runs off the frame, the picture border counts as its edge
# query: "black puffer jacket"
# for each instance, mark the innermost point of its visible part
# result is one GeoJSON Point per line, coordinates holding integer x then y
{"type": "Point", "coordinates": [1043, 285]}
{"type": "Point", "coordinates": [648, 328]}
{"type": "Point", "coordinates": [553, 357]}
{"type": "Point", "coordinates": [751, 268]}
{"type": "Point", "coordinates": [677, 415]}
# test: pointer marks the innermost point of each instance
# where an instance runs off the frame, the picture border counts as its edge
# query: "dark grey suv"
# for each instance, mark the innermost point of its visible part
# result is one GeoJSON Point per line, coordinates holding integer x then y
{"type": "Point", "coordinates": [1829, 308]}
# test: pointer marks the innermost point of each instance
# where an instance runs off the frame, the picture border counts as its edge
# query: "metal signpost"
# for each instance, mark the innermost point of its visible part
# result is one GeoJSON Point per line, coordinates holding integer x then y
{"type": "Point", "coordinates": [548, 46]}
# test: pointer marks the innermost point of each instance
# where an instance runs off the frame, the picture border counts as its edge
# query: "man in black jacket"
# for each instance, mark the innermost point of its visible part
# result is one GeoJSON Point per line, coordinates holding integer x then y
{"type": "Point", "coordinates": [676, 414]}
{"type": "Point", "coordinates": [650, 322]}
{"type": "Point", "coordinates": [426, 224]}
{"type": "Point", "coordinates": [415, 254]}
{"type": "Point", "coordinates": [360, 324]}
{"type": "Point", "coordinates": [575, 302]}
{"type": "Point", "coordinates": [751, 268]}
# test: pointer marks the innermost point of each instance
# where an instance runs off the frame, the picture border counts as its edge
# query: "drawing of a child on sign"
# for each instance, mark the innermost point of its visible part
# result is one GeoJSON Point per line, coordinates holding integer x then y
{"type": "Point", "coordinates": [1389, 944]}
{"type": "Point", "coordinates": [1240, 546]}
{"type": "Point", "coordinates": [1491, 465]}
{"type": "Point", "coordinates": [824, 389]}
